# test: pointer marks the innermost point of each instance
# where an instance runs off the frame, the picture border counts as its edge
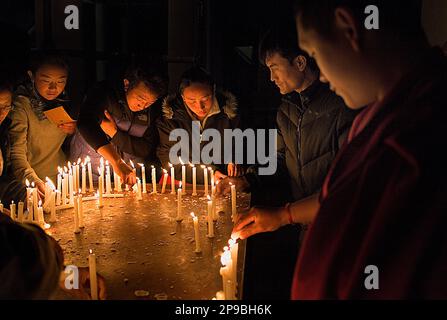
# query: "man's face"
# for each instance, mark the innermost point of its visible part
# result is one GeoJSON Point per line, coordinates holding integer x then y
{"type": "Point", "coordinates": [198, 97]}
{"type": "Point", "coordinates": [5, 104]}
{"type": "Point", "coordinates": [50, 81]}
{"type": "Point", "coordinates": [286, 75]}
{"type": "Point", "coordinates": [139, 97]}
{"type": "Point", "coordinates": [341, 65]}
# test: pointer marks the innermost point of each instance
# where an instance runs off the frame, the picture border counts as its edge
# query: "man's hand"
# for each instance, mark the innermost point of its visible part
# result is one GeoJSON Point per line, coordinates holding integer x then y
{"type": "Point", "coordinates": [84, 284]}
{"type": "Point", "coordinates": [126, 173]}
{"type": "Point", "coordinates": [235, 170]}
{"type": "Point", "coordinates": [224, 185]}
{"type": "Point", "coordinates": [40, 186]}
{"type": "Point", "coordinates": [68, 128]}
{"type": "Point", "coordinates": [108, 125]}
{"type": "Point", "coordinates": [259, 220]}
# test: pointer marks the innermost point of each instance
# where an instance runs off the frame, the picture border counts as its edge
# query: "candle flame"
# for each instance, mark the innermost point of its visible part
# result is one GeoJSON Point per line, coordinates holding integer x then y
{"type": "Point", "coordinates": [87, 159]}
{"type": "Point", "coordinates": [142, 165]}
{"type": "Point", "coordinates": [225, 259]}
{"type": "Point", "coordinates": [107, 162]}
{"type": "Point", "coordinates": [191, 164]}
{"type": "Point", "coordinates": [151, 167]}
{"type": "Point", "coordinates": [12, 201]}
{"type": "Point", "coordinates": [80, 191]}
{"type": "Point", "coordinates": [193, 215]}
{"type": "Point", "coordinates": [210, 169]}
{"type": "Point", "coordinates": [203, 166]}
{"type": "Point", "coordinates": [209, 198]}
{"type": "Point", "coordinates": [180, 185]}
{"type": "Point", "coordinates": [131, 163]}
{"type": "Point", "coordinates": [40, 202]}
{"type": "Point", "coordinates": [47, 226]}
{"type": "Point", "coordinates": [91, 251]}
{"type": "Point", "coordinates": [32, 184]}
{"type": "Point", "coordinates": [231, 242]}
{"type": "Point", "coordinates": [65, 169]}
{"type": "Point", "coordinates": [102, 161]}
{"type": "Point", "coordinates": [50, 183]}
{"type": "Point", "coordinates": [165, 171]}
{"type": "Point", "coordinates": [79, 161]}
{"type": "Point", "coordinates": [27, 183]}
{"type": "Point", "coordinates": [99, 171]}
{"type": "Point", "coordinates": [69, 164]}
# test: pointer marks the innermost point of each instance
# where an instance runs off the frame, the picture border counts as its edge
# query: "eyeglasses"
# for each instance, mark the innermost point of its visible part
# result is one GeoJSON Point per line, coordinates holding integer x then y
{"type": "Point", "coordinates": [4, 109]}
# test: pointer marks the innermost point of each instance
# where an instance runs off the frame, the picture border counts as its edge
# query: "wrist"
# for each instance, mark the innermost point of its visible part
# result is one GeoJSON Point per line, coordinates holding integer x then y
{"type": "Point", "coordinates": [288, 217]}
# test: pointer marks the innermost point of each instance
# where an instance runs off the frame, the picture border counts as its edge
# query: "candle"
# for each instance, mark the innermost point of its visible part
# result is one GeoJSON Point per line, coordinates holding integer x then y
{"type": "Point", "coordinates": [139, 196]}
{"type": "Point", "coordinates": [90, 174]}
{"type": "Point", "coordinates": [35, 203]}
{"type": "Point", "coordinates": [183, 175]}
{"type": "Point", "coordinates": [196, 233]}
{"type": "Point", "coordinates": [220, 295]}
{"type": "Point", "coordinates": [92, 270]}
{"type": "Point", "coordinates": [59, 185]}
{"type": "Point", "coordinates": [205, 179]}
{"type": "Point", "coordinates": [78, 186]}
{"type": "Point", "coordinates": [12, 210]}
{"type": "Point", "coordinates": [233, 202]}
{"type": "Point", "coordinates": [100, 188]}
{"type": "Point", "coordinates": [65, 186]}
{"type": "Point", "coordinates": [1, 206]}
{"type": "Point", "coordinates": [53, 206]}
{"type": "Point", "coordinates": [76, 215]}
{"type": "Point", "coordinates": [154, 180]}
{"type": "Point", "coordinates": [133, 167]}
{"type": "Point", "coordinates": [212, 179]}
{"type": "Point", "coordinates": [143, 176]}
{"type": "Point", "coordinates": [194, 190]}
{"type": "Point", "coordinates": [118, 181]}
{"type": "Point", "coordinates": [80, 210]}
{"type": "Point", "coordinates": [40, 214]}
{"type": "Point", "coordinates": [84, 179]}
{"type": "Point", "coordinates": [20, 211]}
{"type": "Point", "coordinates": [226, 274]}
{"type": "Point", "coordinates": [71, 189]}
{"type": "Point", "coordinates": [30, 203]}
{"type": "Point", "coordinates": [101, 162]}
{"type": "Point", "coordinates": [172, 179]}
{"type": "Point", "coordinates": [51, 200]}
{"type": "Point", "coordinates": [179, 203]}
{"type": "Point", "coordinates": [108, 179]}
{"type": "Point", "coordinates": [213, 200]}
{"type": "Point", "coordinates": [234, 248]}
{"type": "Point", "coordinates": [165, 178]}
{"type": "Point", "coordinates": [210, 218]}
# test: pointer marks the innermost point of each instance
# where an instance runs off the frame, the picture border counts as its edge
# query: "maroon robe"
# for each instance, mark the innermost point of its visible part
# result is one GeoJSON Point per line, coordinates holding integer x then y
{"type": "Point", "coordinates": [384, 201]}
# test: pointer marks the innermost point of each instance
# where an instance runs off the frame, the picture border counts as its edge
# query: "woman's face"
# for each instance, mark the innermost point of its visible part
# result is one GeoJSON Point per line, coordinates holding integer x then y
{"type": "Point", "coordinates": [49, 81]}
{"type": "Point", "coordinates": [198, 97]}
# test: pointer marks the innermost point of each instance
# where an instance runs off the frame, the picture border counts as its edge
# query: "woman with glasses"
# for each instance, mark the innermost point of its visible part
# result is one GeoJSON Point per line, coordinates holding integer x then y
{"type": "Point", "coordinates": [36, 143]}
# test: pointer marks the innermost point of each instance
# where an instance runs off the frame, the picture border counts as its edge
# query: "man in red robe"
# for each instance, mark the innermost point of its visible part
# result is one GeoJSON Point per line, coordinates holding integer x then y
{"type": "Point", "coordinates": [377, 228]}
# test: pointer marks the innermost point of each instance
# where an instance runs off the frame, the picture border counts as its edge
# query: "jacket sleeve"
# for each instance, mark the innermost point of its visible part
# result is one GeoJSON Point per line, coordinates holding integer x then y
{"type": "Point", "coordinates": [141, 147]}
{"type": "Point", "coordinates": [90, 117]}
{"type": "Point", "coordinates": [19, 147]}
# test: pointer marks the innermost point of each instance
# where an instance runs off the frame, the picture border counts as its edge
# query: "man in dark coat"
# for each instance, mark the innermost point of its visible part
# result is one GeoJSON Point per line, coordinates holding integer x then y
{"type": "Point", "coordinates": [118, 122]}
{"type": "Point", "coordinates": [312, 124]}
{"type": "Point", "coordinates": [378, 228]}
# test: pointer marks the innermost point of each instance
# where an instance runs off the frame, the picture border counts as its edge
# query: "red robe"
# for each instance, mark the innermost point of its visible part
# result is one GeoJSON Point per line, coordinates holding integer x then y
{"type": "Point", "coordinates": [384, 201]}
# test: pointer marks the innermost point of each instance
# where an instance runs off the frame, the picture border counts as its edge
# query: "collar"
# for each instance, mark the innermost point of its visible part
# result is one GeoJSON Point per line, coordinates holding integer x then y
{"type": "Point", "coordinates": [215, 109]}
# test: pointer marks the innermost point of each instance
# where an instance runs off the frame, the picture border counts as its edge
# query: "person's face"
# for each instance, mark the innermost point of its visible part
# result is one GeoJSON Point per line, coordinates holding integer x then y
{"type": "Point", "coordinates": [287, 76]}
{"type": "Point", "coordinates": [198, 97]}
{"type": "Point", "coordinates": [340, 60]}
{"type": "Point", "coordinates": [5, 104]}
{"type": "Point", "coordinates": [139, 97]}
{"type": "Point", "coordinates": [49, 81]}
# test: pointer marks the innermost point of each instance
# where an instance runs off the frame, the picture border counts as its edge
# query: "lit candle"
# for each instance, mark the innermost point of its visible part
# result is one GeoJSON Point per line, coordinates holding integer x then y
{"type": "Point", "coordinates": [233, 202]}
{"type": "Point", "coordinates": [20, 211]}
{"type": "Point", "coordinates": [133, 168]}
{"type": "Point", "coordinates": [80, 210]}
{"type": "Point", "coordinates": [53, 206]}
{"type": "Point", "coordinates": [65, 186]}
{"type": "Point", "coordinates": [139, 196]}
{"type": "Point", "coordinates": [220, 295]}
{"type": "Point", "coordinates": [213, 200]}
{"type": "Point", "coordinates": [78, 186]}
{"type": "Point", "coordinates": [210, 218]}
{"type": "Point", "coordinates": [76, 215]}
{"type": "Point", "coordinates": [143, 176]}
{"type": "Point", "coordinates": [234, 248]}
{"type": "Point", "coordinates": [51, 200]}
{"type": "Point", "coordinates": [108, 179]}
{"type": "Point", "coordinates": [183, 175]}
{"type": "Point", "coordinates": [84, 179]}
{"type": "Point", "coordinates": [35, 203]}
{"type": "Point", "coordinates": [92, 270]}
{"type": "Point", "coordinates": [71, 189]}
{"type": "Point", "coordinates": [172, 179]}
{"type": "Point", "coordinates": [90, 175]}
{"type": "Point", "coordinates": [196, 233]}
{"type": "Point", "coordinates": [225, 272]}
{"type": "Point", "coordinates": [165, 178]}
{"type": "Point", "coordinates": [59, 185]}
{"type": "Point", "coordinates": [41, 219]}
{"type": "Point", "coordinates": [101, 162]}
{"type": "Point", "coordinates": [12, 210]}
{"type": "Point", "coordinates": [212, 179]}
{"type": "Point", "coordinates": [194, 178]}
{"type": "Point", "coordinates": [118, 181]}
{"type": "Point", "coordinates": [100, 188]}
{"type": "Point", "coordinates": [30, 203]}
{"type": "Point", "coordinates": [179, 203]}
{"type": "Point", "coordinates": [154, 180]}
{"type": "Point", "coordinates": [205, 179]}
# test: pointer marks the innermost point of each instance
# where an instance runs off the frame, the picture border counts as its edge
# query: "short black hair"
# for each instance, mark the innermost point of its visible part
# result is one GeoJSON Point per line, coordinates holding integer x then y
{"type": "Point", "coordinates": [402, 17]}
{"type": "Point", "coordinates": [283, 40]}
{"type": "Point", "coordinates": [41, 58]}
{"type": "Point", "coordinates": [150, 75]}
{"type": "Point", "coordinates": [195, 74]}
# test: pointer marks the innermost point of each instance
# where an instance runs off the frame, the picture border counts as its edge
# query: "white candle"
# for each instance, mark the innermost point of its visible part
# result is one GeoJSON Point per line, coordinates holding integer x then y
{"type": "Point", "coordinates": [205, 179]}
{"type": "Point", "coordinates": [210, 218]}
{"type": "Point", "coordinates": [65, 186]}
{"type": "Point", "coordinates": [213, 200]}
{"type": "Point", "coordinates": [172, 179]}
{"type": "Point", "coordinates": [84, 179]}
{"type": "Point", "coordinates": [139, 196]}
{"type": "Point", "coordinates": [53, 206]}
{"type": "Point", "coordinates": [165, 178]}
{"type": "Point", "coordinates": [71, 189]}
{"type": "Point", "coordinates": [76, 215]}
{"type": "Point", "coordinates": [100, 188]}
{"type": "Point", "coordinates": [225, 272]}
{"type": "Point", "coordinates": [80, 211]}
{"type": "Point", "coordinates": [41, 219]}
{"type": "Point", "coordinates": [59, 186]}
{"type": "Point", "coordinates": [118, 181]}
{"type": "Point", "coordinates": [108, 179]}
{"type": "Point", "coordinates": [183, 175]}
{"type": "Point", "coordinates": [154, 180]}
{"type": "Point", "coordinates": [35, 203]}
{"type": "Point", "coordinates": [78, 177]}
{"type": "Point", "coordinates": [90, 175]}
{"type": "Point", "coordinates": [179, 203]}
{"type": "Point", "coordinates": [196, 233]}
{"type": "Point", "coordinates": [212, 179]}
{"type": "Point", "coordinates": [12, 210]}
{"type": "Point", "coordinates": [233, 202]}
{"type": "Point", "coordinates": [92, 270]}
{"type": "Point", "coordinates": [194, 180]}
{"type": "Point", "coordinates": [143, 177]}
{"type": "Point", "coordinates": [20, 211]}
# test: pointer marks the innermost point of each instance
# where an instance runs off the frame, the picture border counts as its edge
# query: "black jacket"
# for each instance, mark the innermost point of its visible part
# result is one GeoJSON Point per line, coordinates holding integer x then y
{"type": "Point", "coordinates": [137, 134]}
{"type": "Point", "coordinates": [10, 187]}
{"type": "Point", "coordinates": [175, 116]}
{"type": "Point", "coordinates": [312, 126]}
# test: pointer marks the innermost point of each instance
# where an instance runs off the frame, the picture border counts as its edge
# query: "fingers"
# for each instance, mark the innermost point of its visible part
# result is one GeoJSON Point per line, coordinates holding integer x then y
{"type": "Point", "coordinates": [245, 220]}
{"type": "Point", "coordinates": [230, 169]}
{"type": "Point", "coordinates": [109, 116]}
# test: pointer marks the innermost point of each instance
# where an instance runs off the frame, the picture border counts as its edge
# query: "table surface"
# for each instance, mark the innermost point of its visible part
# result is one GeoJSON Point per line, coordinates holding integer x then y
{"type": "Point", "coordinates": [140, 246]}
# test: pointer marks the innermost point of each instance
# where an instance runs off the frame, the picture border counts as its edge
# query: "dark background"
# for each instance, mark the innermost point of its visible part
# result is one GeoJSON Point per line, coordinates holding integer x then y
{"type": "Point", "coordinates": [221, 36]}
